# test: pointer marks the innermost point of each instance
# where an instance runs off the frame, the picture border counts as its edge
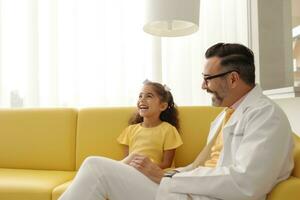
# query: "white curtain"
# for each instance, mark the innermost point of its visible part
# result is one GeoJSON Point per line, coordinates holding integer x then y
{"type": "Point", "coordinates": [183, 58]}
{"type": "Point", "coordinates": [94, 53]}
{"type": "Point", "coordinates": [72, 52]}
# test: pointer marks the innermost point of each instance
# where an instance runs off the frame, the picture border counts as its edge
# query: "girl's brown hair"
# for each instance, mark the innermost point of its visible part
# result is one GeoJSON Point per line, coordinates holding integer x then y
{"type": "Point", "coordinates": [170, 114]}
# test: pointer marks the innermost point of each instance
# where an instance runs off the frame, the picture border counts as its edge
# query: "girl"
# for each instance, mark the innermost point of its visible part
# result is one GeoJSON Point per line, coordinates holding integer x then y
{"type": "Point", "coordinates": [151, 137]}
{"type": "Point", "coordinates": [153, 132]}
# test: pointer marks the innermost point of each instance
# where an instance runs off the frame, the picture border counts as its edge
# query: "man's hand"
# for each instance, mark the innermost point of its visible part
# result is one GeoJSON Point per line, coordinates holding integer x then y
{"type": "Point", "coordinates": [148, 168]}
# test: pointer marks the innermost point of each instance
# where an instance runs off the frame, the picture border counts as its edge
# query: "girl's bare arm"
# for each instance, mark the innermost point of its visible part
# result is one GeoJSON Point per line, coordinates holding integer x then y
{"type": "Point", "coordinates": [167, 159]}
{"type": "Point", "coordinates": [126, 158]}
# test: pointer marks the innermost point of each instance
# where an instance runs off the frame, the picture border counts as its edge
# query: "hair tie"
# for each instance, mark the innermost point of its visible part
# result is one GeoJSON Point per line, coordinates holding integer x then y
{"type": "Point", "coordinates": [167, 89]}
{"type": "Point", "coordinates": [146, 81]}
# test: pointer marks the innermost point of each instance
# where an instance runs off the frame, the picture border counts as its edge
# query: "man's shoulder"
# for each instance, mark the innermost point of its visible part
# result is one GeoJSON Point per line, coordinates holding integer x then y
{"type": "Point", "coordinates": [264, 102]}
{"type": "Point", "coordinates": [266, 107]}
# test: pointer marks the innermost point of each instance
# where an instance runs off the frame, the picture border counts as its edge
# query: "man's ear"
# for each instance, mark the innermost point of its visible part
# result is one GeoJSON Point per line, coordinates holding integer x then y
{"type": "Point", "coordinates": [234, 79]}
{"type": "Point", "coordinates": [163, 106]}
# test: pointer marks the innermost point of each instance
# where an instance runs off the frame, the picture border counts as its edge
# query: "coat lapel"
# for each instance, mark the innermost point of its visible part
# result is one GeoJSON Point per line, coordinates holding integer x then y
{"type": "Point", "coordinates": [214, 129]}
{"type": "Point", "coordinates": [228, 129]}
{"type": "Point", "coordinates": [215, 126]}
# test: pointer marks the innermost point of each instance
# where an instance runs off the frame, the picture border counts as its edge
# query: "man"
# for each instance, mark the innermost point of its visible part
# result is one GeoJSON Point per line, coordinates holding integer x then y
{"type": "Point", "coordinates": [257, 140]}
{"type": "Point", "coordinates": [249, 147]}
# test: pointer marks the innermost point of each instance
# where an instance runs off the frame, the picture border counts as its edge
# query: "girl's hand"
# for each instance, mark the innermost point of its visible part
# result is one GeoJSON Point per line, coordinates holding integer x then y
{"type": "Point", "coordinates": [148, 168]}
{"type": "Point", "coordinates": [128, 158]}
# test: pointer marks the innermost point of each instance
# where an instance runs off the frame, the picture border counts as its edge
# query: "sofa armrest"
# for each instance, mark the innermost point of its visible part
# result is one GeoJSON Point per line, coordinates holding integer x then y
{"type": "Point", "coordinates": [288, 189]}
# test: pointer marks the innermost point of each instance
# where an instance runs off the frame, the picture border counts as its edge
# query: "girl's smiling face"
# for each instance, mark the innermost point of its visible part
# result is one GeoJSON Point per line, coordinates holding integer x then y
{"type": "Point", "coordinates": [149, 104]}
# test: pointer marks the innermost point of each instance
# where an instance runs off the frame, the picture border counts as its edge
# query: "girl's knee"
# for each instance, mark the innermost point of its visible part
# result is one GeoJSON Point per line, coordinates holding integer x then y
{"type": "Point", "coordinates": [96, 161]}
{"type": "Point", "coordinates": [91, 160]}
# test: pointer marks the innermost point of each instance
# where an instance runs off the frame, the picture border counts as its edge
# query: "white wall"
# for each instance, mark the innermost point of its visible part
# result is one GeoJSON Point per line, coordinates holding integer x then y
{"type": "Point", "coordinates": [291, 106]}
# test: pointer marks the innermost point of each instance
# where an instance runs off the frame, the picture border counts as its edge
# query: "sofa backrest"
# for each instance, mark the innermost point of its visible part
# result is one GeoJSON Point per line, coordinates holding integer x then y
{"type": "Point", "coordinates": [38, 138]}
{"type": "Point", "coordinates": [195, 124]}
{"type": "Point", "coordinates": [98, 128]}
{"type": "Point", "coordinates": [46, 138]}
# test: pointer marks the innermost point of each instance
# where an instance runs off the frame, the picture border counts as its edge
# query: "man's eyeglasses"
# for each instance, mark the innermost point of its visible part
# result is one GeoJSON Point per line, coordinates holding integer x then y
{"type": "Point", "coordinates": [209, 77]}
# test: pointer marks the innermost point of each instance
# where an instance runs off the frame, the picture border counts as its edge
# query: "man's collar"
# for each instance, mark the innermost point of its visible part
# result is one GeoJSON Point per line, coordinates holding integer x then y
{"type": "Point", "coordinates": [253, 92]}
{"type": "Point", "coordinates": [238, 102]}
{"type": "Point", "coordinates": [243, 103]}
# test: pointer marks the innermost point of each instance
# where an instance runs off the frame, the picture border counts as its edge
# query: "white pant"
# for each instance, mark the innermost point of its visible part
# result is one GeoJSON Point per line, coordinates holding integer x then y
{"type": "Point", "coordinates": [101, 178]}
{"type": "Point", "coordinates": [163, 193]}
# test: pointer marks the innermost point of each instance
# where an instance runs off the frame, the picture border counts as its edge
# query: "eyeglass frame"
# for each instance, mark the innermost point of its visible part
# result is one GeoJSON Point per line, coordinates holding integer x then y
{"type": "Point", "coordinates": [210, 77]}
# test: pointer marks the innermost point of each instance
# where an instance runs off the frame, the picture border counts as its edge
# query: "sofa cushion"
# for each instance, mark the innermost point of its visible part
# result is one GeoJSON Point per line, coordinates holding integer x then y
{"type": "Point", "coordinates": [195, 124]}
{"type": "Point", "coordinates": [18, 184]}
{"type": "Point", "coordinates": [296, 171]}
{"type": "Point", "coordinates": [97, 131]}
{"type": "Point", "coordinates": [59, 190]}
{"type": "Point", "coordinates": [38, 138]}
{"type": "Point", "coordinates": [288, 189]}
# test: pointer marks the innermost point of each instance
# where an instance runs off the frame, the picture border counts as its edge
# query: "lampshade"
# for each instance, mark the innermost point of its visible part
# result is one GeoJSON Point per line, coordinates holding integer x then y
{"type": "Point", "coordinates": [171, 18]}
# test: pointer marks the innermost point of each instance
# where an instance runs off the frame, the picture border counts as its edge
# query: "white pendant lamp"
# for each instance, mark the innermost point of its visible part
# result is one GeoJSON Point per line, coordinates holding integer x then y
{"type": "Point", "coordinates": [171, 18]}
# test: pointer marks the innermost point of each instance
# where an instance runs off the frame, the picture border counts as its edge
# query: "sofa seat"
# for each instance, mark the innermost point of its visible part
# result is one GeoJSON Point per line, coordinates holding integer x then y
{"type": "Point", "coordinates": [288, 189]}
{"type": "Point", "coordinates": [16, 184]}
{"type": "Point", "coordinates": [60, 189]}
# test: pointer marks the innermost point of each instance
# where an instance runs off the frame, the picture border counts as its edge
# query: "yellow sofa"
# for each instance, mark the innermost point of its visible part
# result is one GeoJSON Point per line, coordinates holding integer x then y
{"type": "Point", "coordinates": [41, 149]}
